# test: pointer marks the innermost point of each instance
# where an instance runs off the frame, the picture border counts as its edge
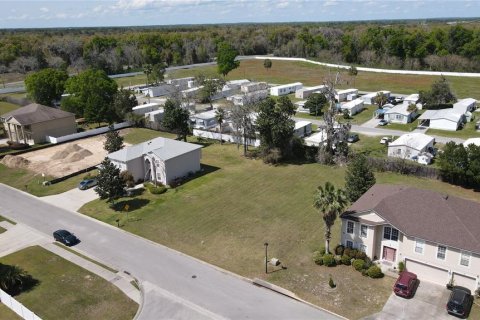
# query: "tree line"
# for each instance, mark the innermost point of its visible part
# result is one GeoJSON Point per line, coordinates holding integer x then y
{"type": "Point", "coordinates": [114, 50]}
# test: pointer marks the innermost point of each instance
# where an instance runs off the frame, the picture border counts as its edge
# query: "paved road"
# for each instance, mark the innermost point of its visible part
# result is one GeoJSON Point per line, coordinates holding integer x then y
{"type": "Point", "coordinates": [168, 274]}
{"type": "Point", "coordinates": [366, 130]}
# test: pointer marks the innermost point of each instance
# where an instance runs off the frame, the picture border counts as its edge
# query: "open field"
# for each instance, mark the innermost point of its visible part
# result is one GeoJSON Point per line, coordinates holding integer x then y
{"type": "Point", "coordinates": [310, 74]}
{"type": "Point", "coordinates": [225, 215]}
{"type": "Point", "coordinates": [7, 314]}
{"type": "Point", "coordinates": [130, 81]}
{"type": "Point", "coordinates": [7, 107]}
{"type": "Point", "coordinates": [66, 291]}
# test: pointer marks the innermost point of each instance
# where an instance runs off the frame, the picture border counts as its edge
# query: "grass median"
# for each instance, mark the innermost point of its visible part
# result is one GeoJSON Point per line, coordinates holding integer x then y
{"type": "Point", "coordinates": [66, 291]}
{"type": "Point", "coordinates": [225, 216]}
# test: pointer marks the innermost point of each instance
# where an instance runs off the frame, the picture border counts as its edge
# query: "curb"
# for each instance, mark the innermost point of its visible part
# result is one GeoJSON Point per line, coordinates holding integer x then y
{"type": "Point", "coordinates": [142, 300]}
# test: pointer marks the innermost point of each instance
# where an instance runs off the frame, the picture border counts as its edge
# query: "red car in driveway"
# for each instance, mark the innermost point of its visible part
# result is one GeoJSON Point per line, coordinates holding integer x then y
{"type": "Point", "coordinates": [405, 284]}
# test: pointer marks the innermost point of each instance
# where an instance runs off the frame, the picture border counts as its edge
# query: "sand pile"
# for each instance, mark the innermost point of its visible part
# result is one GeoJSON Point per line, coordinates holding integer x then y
{"type": "Point", "coordinates": [77, 156]}
{"type": "Point", "coordinates": [68, 151]}
{"type": "Point", "coordinates": [15, 161]}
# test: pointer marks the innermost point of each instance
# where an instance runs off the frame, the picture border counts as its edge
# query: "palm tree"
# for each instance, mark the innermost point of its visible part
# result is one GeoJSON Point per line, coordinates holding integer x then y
{"type": "Point", "coordinates": [147, 69]}
{"type": "Point", "coordinates": [220, 116]}
{"type": "Point", "coordinates": [330, 203]}
{"type": "Point", "coordinates": [11, 276]}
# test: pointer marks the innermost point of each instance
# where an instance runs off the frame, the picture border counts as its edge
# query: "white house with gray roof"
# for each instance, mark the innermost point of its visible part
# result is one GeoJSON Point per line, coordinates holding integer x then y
{"type": "Point", "coordinates": [160, 159]}
{"type": "Point", "coordinates": [443, 119]}
{"type": "Point", "coordinates": [410, 145]}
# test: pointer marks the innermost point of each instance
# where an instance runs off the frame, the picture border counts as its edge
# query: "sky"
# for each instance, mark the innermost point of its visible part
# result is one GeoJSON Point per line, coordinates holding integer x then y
{"type": "Point", "coordinates": [92, 13]}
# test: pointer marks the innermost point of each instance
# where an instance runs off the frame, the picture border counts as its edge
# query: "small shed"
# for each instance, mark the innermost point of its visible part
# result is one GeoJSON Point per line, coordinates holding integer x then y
{"type": "Point", "coordinates": [285, 89]}
{"type": "Point", "coordinates": [302, 128]}
{"type": "Point", "coordinates": [353, 107]}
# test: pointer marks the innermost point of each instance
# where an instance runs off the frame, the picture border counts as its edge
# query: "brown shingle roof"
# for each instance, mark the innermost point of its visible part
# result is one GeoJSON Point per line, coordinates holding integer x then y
{"type": "Point", "coordinates": [425, 214]}
{"type": "Point", "coordinates": [35, 113]}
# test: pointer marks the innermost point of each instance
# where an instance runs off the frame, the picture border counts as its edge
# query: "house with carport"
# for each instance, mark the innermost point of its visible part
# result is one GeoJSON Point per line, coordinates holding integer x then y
{"type": "Point", "coordinates": [434, 234]}
{"type": "Point", "coordinates": [32, 123]}
{"type": "Point", "coordinates": [160, 159]}
{"type": "Point", "coordinates": [442, 119]}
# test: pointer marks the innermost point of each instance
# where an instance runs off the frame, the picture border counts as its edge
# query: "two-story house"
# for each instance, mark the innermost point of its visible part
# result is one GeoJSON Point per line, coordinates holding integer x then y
{"type": "Point", "coordinates": [436, 235]}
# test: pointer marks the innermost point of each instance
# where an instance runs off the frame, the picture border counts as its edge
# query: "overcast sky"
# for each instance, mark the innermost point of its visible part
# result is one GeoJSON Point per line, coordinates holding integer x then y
{"type": "Point", "coordinates": [57, 13]}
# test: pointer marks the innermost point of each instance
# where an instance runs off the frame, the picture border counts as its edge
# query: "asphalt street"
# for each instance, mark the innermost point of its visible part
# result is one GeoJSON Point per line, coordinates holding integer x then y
{"type": "Point", "coordinates": [177, 286]}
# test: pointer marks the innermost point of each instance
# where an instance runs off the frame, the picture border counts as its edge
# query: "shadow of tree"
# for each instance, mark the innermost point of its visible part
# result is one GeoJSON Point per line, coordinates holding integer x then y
{"type": "Point", "coordinates": [130, 205]}
{"type": "Point", "coordinates": [26, 284]}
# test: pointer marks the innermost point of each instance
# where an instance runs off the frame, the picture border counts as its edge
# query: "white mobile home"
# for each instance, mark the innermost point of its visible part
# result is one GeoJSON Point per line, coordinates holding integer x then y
{"type": "Point", "coordinates": [401, 113]}
{"type": "Point", "coordinates": [153, 120]}
{"type": "Point", "coordinates": [369, 98]}
{"type": "Point", "coordinates": [302, 128]}
{"type": "Point", "coordinates": [182, 83]}
{"type": "Point", "coordinates": [251, 97]}
{"type": "Point", "coordinates": [235, 84]}
{"type": "Point", "coordinates": [413, 98]}
{"type": "Point", "coordinates": [443, 119]}
{"type": "Point", "coordinates": [157, 91]}
{"type": "Point", "coordinates": [410, 145]}
{"type": "Point", "coordinates": [353, 107]}
{"type": "Point", "coordinates": [205, 120]}
{"type": "Point", "coordinates": [304, 93]}
{"type": "Point", "coordinates": [316, 139]}
{"type": "Point", "coordinates": [285, 89]}
{"type": "Point", "coordinates": [160, 159]}
{"type": "Point", "coordinates": [342, 95]}
{"type": "Point", "coordinates": [145, 108]}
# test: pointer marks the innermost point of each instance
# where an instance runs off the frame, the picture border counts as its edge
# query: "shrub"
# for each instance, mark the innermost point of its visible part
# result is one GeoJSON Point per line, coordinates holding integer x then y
{"type": "Point", "coordinates": [375, 272]}
{"type": "Point", "coordinates": [159, 189]}
{"type": "Point", "coordinates": [272, 156]}
{"type": "Point", "coordinates": [347, 252]}
{"type": "Point", "coordinates": [368, 262]}
{"type": "Point", "coordinates": [339, 250]}
{"type": "Point", "coordinates": [329, 260]}
{"type": "Point", "coordinates": [358, 264]}
{"type": "Point", "coordinates": [17, 146]}
{"type": "Point", "coordinates": [318, 258]}
{"type": "Point", "coordinates": [346, 260]}
{"type": "Point", "coordinates": [322, 250]}
{"type": "Point", "coordinates": [128, 178]}
{"type": "Point", "coordinates": [338, 259]}
{"type": "Point", "coordinates": [364, 273]}
{"type": "Point", "coordinates": [401, 266]}
{"type": "Point", "coordinates": [331, 283]}
{"type": "Point", "coordinates": [360, 255]}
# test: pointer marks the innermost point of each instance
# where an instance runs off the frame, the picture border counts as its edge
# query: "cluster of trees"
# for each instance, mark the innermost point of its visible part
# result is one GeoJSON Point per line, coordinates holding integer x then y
{"type": "Point", "coordinates": [460, 165]}
{"type": "Point", "coordinates": [435, 46]}
{"type": "Point", "coordinates": [439, 96]}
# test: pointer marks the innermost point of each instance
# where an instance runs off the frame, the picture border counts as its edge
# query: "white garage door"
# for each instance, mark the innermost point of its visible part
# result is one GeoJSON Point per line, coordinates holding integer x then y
{"type": "Point", "coordinates": [426, 272]}
{"type": "Point", "coordinates": [464, 281]}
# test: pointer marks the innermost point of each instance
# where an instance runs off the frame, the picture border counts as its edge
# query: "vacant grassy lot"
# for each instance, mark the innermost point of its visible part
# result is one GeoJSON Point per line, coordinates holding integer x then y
{"type": "Point", "coordinates": [138, 135]}
{"type": "Point", "coordinates": [66, 291]}
{"type": "Point", "coordinates": [7, 107]}
{"type": "Point", "coordinates": [130, 81]}
{"type": "Point", "coordinates": [31, 182]}
{"type": "Point", "coordinates": [224, 217]}
{"type": "Point", "coordinates": [310, 74]}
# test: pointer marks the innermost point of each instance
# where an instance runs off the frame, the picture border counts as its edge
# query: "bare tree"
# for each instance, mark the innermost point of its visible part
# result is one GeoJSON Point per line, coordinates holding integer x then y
{"type": "Point", "coordinates": [243, 122]}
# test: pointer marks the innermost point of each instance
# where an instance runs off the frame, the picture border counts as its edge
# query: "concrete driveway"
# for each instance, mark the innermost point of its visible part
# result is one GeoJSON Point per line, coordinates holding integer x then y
{"type": "Point", "coordinates": [71, 200]}
{"type": "Point", "coordinates": [428, 303]}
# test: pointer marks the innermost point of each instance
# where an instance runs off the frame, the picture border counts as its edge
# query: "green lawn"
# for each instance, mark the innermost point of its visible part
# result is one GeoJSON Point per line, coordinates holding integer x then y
{"type": "Point", "coordinates": [407, 127]}
{"type": "Point", "coordinates": [365, 115]}
{"type": "Point", "coordinates": [225, 215]}
{"type": "Point", "coordinates": [370, 146]}
{"type": "Point", "coordinates": [308, 116]}
{"type": "Point", "coordinates": [31, 182]}
{"type": "Point", "coordinates": [310, 74]}
{"type": "Point", "coordinates": [66, 291]}
{"type": "Point", "coordinates": [467, 132]}
{"type": "Point", "coordinates": [138, 135]}
{"type": "Point", "coordinates": [7, 314]}
{"type": "Point", "coordinates": [7, 107]}
{"type": "Point", "coordinates": [130, 81]}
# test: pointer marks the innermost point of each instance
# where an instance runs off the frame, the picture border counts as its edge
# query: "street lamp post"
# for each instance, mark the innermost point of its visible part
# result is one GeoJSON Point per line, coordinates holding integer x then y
{"type": "Point", "coordinates": [266, 256]}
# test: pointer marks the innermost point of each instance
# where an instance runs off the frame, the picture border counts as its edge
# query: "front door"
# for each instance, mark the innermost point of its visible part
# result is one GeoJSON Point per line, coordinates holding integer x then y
{"type": "Point", "coordinates": [389, 254]}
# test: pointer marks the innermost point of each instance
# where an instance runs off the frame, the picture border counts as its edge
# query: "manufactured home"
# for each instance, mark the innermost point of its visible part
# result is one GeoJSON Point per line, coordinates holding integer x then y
{"type": "Point", "coordinates": [343, 95]}
{"type": "Point", "coordinates": [352, 107]}
{"type": "Point", "coordinates": [304, 93]}
{"type": "Point", "coordinates": [285, 89]}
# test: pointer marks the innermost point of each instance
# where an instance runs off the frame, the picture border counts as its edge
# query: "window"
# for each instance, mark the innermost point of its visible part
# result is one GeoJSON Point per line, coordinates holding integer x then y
{"type": "Point", "coordinates": [390, 233]}
{"type": "Point", "coordinates": [399, 151]}
{"type": "Point", "coordinates": [465, 259]}
{"type": "Point", "coordinates": [363, 231]}
{"type": "Point", "coordinates": [349, 244]}
{"type": "Point", "coordinates": [350, 225]}
{"type": "Point", "coordinates": [419, 246]}
{"type": "Point", "coordinates": [399, 117]}
{"type": "Point", "coordinates": [441, 252]}
{"type": "Point", "coordinates": [363, 248]}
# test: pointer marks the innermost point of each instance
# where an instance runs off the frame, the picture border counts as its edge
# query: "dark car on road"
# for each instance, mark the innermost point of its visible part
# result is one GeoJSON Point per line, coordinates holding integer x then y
{"type": "Point", "coordinates": [65, 237]}
{"type": "Point", "coordinates": [460, 302]}
{"type": "Point", "coordinates": [352, 138]}
{"type": "Point", "coordinates": [87, 183]}
{"type": "Point", "coordinates": [405, 284]}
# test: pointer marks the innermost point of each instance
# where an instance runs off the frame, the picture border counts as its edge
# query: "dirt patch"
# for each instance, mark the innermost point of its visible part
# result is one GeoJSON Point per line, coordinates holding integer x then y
{"type": "Point", "coordinates": [61, 160]}
{"type": "Point", "coordinates": [15, 161]}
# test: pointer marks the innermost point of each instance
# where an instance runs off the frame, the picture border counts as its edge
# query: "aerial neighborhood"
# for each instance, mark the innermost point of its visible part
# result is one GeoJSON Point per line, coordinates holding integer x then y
{"type": "Point", "coordinates": [324, 170]}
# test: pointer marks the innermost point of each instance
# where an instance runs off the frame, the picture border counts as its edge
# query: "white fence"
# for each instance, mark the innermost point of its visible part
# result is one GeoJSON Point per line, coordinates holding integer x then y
{"type": "Point", "coordinates": [88, 133]}
{"type": "Point", "coordinates": [224, 137]}
{"type": "Point", "coordinates": [17, 307]}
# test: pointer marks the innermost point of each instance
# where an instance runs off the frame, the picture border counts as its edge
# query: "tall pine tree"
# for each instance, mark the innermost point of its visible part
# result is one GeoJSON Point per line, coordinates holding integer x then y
{"type": "Point", "coordinates": [358, 178]}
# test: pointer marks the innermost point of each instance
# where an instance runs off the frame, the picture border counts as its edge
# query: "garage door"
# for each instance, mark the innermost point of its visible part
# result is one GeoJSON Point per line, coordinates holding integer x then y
{"type": "Point", "coordinates": [426, 272]}
{"type": "Point", "coordinates": [464, 281]}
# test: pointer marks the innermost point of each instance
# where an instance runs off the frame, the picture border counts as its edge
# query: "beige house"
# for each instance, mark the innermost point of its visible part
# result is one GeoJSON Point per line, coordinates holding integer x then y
{"type": "Point", "coordinates": [436, 235]}
{"type": "Point", "coordinates": [33, 123]}
{"type": "Point", "coordinates": [159, 159]}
